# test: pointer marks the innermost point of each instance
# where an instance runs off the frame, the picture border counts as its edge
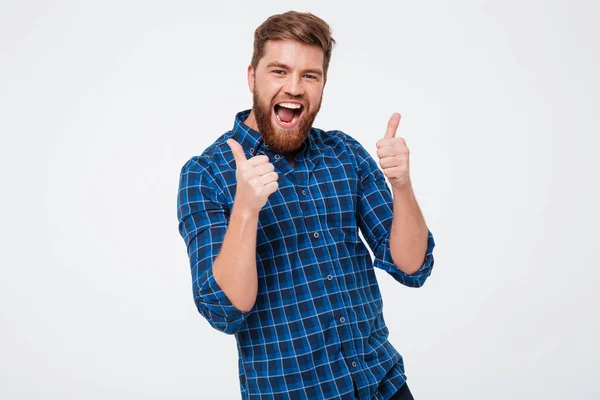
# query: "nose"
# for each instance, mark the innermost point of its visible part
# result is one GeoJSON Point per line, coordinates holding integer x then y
{"type": "Point", "coordinates": [294, 86]}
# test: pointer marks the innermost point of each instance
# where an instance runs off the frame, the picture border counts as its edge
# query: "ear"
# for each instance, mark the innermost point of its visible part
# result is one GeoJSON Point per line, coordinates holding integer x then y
{"type": "Point", "coordinates": [251, 79]}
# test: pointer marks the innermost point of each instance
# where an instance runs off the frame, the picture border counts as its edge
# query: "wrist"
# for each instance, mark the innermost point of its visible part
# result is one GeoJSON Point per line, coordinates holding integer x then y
{"type": "Point", "coordinates": [241, 211]}
{"type": "Point", "coordinates": [403, 189]}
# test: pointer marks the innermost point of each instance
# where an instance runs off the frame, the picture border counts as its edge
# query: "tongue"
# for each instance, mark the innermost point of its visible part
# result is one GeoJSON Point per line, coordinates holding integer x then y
{"type": "Point", "coordinates": [285, 114]}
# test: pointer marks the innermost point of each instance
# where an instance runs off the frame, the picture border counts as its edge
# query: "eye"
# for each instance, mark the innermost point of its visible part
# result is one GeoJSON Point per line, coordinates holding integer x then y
{"type": "Point", "coordinates": [309, 76]}
{"type": "Point", "coordinates": [278, 71]}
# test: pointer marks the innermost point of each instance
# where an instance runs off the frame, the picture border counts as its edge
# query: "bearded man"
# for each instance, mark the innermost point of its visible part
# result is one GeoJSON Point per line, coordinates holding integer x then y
{"type": "Point", "coordinates": [271, 214]}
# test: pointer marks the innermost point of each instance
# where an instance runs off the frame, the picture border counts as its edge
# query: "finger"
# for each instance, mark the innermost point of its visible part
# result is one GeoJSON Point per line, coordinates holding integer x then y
{"type": "Point", "coordinates": [263, 169]}
{"type": "Point", "coordinates": [387, 151]}
{"type": "Point", "coordinates": [394, 172]}
{"type": "Point", "coordinates": [257, 160]}
{"type": "Point", "coordinates": [392, 150]}
{"type": "Point", "coordinates": [238, 152]}
{"type": "Point", "coordinates": [392, 126]}
{"type": "Point", "coordinates": [395, 141]}
{"type": "Point", "coordinates": [389, 162]}
{"type": "Point", "coordinates": [271, 187]}
{"type": "Point", "coordinates": [270, 177]}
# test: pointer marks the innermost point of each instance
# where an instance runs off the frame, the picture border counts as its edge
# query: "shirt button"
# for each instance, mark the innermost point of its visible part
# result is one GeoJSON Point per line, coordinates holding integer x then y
{"type": "Point", "coordinates": [342, 320]}
{"type": "Point", "coordinates": [252, 151]}
{"type": "Point", "coordinates": [303, 192]}
{"type": "Point", "coordinates": [354, 363]}
{"type": "Point", "coordinates": [316, 235]}
{"type": "Point", "coordinates": [329, 277]}
{"type": "Point", "coordinates": [277, 156]}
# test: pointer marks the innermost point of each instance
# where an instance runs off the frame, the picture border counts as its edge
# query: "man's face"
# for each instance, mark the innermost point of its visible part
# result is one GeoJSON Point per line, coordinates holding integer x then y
{"type": "Point", "coordinates": [287, 88]}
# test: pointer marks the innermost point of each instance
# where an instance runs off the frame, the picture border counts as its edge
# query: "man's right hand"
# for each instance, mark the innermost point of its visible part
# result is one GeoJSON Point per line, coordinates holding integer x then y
{"type": "Point", "coordinates": [256, 179]}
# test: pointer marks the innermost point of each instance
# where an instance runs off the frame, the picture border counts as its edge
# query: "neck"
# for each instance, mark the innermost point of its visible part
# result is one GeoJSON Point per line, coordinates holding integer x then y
{"type": "Point", "coordinates": [290, 157]}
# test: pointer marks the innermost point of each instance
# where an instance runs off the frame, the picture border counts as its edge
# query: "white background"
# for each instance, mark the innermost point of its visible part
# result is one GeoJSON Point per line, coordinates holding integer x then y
{"type": "Point", "coordinates": [101, 103]}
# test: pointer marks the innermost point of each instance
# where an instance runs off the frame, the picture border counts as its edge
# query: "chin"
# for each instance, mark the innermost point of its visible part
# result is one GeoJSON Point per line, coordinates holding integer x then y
{"type": "Point", "coordinates": [284, 125]}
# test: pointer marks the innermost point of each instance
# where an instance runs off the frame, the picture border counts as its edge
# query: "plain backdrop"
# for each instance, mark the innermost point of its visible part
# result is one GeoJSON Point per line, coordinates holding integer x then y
{"type": "Point", "coordinates": [101, 104]}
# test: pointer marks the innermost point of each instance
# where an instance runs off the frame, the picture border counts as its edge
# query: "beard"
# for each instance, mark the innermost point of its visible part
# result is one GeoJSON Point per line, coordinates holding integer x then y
{"type": "Point", "coordinates": [279, 139]}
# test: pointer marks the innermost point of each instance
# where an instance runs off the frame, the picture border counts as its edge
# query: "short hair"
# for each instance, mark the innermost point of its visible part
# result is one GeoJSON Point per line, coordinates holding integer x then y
{"type": "Point", "coordinates": [303, 27]}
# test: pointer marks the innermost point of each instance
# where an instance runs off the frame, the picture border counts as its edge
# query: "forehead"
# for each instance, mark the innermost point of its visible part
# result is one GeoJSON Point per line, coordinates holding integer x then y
{"type": "Point", "coordinates": [293, 54]}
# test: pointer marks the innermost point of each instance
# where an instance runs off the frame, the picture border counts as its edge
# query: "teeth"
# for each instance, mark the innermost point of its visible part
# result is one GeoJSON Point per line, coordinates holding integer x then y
{"type": "Point", "coordinates": [292, 106]}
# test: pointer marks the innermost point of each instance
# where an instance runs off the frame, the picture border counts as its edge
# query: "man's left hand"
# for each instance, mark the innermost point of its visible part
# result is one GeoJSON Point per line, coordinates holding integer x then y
{"type": "Point", "coordinates": [394, 155]}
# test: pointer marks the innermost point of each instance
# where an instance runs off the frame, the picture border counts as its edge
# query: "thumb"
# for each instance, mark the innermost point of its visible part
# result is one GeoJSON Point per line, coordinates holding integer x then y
{"type": "Point", "coordinates": [392, 126]}
{"type": "Point", "coordinates": [238, 152]}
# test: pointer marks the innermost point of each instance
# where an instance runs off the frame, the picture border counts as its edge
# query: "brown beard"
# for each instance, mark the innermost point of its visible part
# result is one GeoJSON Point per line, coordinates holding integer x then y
{"type": "Point", "coordinates": [278, 139]}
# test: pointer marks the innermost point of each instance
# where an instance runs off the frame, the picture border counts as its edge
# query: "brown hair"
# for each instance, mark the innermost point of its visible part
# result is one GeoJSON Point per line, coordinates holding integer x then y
{"type": "Point", "coordinates": [302, 27]}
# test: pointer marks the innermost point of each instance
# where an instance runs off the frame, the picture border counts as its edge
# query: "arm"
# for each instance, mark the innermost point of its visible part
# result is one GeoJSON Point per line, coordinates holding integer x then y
{"type": "Point", "coordinates": [235, 267]}
{"type": "Point", "coordinates": [222, 245]}
{"type": "Point", "coordinates": [408, 238]}
{"type": "Point", "coordinates": [203, 218]}
{"type": "Point", "coordinates": [376, 218]}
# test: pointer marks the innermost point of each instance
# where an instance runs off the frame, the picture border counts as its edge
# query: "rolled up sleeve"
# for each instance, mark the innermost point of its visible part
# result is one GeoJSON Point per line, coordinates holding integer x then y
{"type": "Point", "coordinates": [203, 217]}
{"type": "Point", "coordinates": [375, 216]}
{"type": "Point", "coordinates": [383, 260]}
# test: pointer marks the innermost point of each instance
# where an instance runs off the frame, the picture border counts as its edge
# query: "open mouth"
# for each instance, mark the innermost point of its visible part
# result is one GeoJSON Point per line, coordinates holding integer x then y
{"type": "Point", "coordinates": [288, 114]}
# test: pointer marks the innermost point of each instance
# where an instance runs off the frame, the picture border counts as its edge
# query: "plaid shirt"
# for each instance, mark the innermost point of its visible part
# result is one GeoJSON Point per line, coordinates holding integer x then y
{"type": "Point", "coordinates": [316, 330]}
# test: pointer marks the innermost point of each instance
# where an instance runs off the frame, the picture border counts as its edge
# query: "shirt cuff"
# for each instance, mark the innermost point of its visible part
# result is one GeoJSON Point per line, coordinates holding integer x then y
{"type": "Point", "coordinates": [384, 261]}
{"type": "Point", "coordinates": [216, 307]}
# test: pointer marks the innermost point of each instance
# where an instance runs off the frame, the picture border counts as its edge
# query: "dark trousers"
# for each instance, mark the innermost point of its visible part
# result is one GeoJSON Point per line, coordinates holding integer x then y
{"type": "Point", "coordinates": [403, 394]}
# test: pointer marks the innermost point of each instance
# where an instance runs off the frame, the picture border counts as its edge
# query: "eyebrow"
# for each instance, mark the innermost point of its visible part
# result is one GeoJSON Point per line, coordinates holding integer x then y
{"type": "Point", "coordinates": [287, 68]}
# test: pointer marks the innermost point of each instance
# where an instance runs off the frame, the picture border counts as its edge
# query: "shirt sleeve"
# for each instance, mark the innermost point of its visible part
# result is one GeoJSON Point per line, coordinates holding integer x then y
{"type": "Point", "coordinates": [203, 218]}
{"type": "Point", "coordinates": [375, 215]}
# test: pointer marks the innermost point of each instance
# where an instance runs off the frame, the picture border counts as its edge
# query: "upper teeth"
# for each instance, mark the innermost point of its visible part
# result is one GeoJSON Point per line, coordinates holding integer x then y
{"type": "Point", "coordinates": [293, 106]}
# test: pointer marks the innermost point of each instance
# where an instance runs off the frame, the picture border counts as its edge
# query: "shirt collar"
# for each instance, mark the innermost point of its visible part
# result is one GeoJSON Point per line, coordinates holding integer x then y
{"type": "Point", "coordinates": [248, 138]}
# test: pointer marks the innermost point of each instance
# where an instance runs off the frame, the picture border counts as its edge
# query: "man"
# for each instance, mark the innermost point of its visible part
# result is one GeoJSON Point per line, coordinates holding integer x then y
{"type": "Point", "coordinates": [270, 214]}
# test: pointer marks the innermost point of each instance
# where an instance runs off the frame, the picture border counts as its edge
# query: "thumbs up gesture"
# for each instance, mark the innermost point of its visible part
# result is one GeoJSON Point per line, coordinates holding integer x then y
{"type": "Point", "coordinates": [255, 177]}
{"type": "Point", "coordinates": [394, 155]}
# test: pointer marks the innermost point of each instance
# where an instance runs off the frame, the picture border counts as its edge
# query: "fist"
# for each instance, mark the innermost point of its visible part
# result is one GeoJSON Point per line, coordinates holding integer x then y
{"type": "Point", "coordinates": [256, 179]}
{"type": "Point", "coordinates": [394, 155]}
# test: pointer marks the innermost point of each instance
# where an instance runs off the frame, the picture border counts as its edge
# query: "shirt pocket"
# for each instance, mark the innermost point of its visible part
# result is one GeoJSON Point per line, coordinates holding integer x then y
{"type": "Point", "coordinates": [335, 194]}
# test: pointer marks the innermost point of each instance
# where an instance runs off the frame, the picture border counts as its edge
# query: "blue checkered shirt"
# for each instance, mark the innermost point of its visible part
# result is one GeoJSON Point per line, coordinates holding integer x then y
{"type": "Point", "coordinates": [316, 330]}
